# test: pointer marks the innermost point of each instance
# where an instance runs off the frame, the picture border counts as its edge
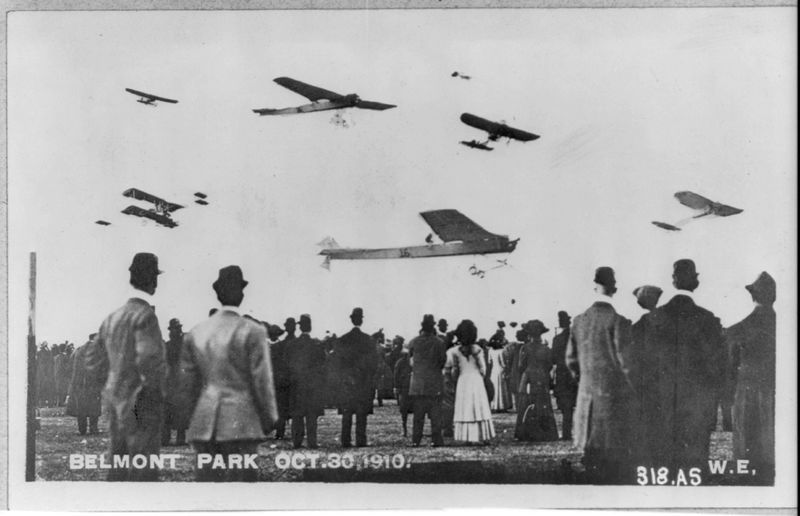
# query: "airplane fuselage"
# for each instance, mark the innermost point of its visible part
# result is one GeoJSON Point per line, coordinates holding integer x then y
{"type": "Point", "coordinates": [487, 246]}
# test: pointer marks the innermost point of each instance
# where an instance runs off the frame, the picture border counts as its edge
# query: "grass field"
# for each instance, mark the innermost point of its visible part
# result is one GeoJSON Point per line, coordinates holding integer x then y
{"type": "Point", "coordinates": [388, 458]}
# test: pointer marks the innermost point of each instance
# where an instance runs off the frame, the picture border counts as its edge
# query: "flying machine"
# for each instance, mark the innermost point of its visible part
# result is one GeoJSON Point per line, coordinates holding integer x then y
{"type": "Point", "coordinates": [102, 223]}
{"type": "Point", "coordinates": [148, 98]}
{"type": "Point", "coordinates": [461, 236]}
{"type": "Point", "coordinates": [699, 203]}
{"type": "Point", "coordinates": [160, 213]}
{"type": "Point", "coordinates": [200, 198]}
{"type": "Point", "coordinates": [460, 75]}
{"type": "Point", "coordinates": [321, 100]}
{"type": "Point", "coordinates": [481, 273]}
{"type": "Point", "coordinates": [495, 130]}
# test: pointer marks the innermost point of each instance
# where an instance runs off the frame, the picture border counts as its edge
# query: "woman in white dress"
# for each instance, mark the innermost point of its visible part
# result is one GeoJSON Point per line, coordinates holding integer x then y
{"type": "Point", "coordinates": [502, 396]}
{"type": "Point", "coordinates": [473, 416]}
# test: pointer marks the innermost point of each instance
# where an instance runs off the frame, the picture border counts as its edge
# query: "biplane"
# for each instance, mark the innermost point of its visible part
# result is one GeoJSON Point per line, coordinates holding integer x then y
{"type": "Point", "coordinates": [200, 198]}
{"type": "Point", "coordinates": [495, 131]}
{"type": "Point", "coordinates": [161, 212]}
{"type": "Point", "coordinates": [148, 98]}
{"type": "Point", "coordinates": [459, 234]}
{"type": "Point", "coordinates": [321, 100]}
{"type": "Point", "coordinates": [699, 203]}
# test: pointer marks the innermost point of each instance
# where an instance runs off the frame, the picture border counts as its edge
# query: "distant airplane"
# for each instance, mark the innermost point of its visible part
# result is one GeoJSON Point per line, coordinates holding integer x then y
{"type": "Point", "coordinates": [321, 100]}
{"type": "Point", "coordinates": [698, 202]}
{"type": "Point", "coordinates": [475, 271]}
{"type": "Point", "coordinates": [460, 75]}
{"type": "Point", "coordinates": [461, 236]}
{"type": "Point", "coordinates": [102, 222]}
{"type": "Point", "coordinates": [149, 99]}
{"type": "Point", "coordinates": [160, 213]}
{"type": "Point", "coordinates": [495, 131]}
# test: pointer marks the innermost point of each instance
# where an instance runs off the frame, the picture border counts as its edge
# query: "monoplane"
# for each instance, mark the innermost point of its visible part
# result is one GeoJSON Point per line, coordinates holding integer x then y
{"type": "Point", "coordinates": [321, 100]}
{"type": "Point", "coordinates": [460, 75]}
{"type": "Point", "coordinates": [161, 212]}
{"type": "Point", "coordinates": [459, 234]}
{"type": "Point", "coordinates": [698, 202]}
{"type": "Point", "coordinates": [148, 98]}
{"type": "Point", "coordinates": [102, 223]}
{"type": "Point", "coordinates": [496, 130]}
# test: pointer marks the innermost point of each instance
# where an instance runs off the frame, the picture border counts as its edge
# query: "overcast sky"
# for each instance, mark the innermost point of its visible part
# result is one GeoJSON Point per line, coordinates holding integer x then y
{"type": "Point", "coordinates": [631, 105]}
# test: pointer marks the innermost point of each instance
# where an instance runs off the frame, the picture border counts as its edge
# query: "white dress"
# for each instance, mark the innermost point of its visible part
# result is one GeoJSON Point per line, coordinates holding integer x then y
{"type": "Point", "coordinates": [473, 416]}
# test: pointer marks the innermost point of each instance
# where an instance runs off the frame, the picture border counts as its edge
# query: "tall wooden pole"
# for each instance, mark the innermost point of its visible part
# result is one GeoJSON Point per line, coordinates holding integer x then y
{"type": "Point", "coordinates": [30, 450]}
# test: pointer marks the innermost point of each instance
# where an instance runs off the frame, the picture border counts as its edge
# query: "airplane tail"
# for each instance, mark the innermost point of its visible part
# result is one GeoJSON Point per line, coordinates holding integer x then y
{"type": "Point", "coordinates": [328, 243]}
{"type": "Point", "coordinates": [326, 264]}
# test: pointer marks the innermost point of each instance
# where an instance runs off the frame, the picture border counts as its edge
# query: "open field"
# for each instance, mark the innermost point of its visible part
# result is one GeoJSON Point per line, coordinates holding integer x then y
{"type": "Point", "coordinates": [388, 458]}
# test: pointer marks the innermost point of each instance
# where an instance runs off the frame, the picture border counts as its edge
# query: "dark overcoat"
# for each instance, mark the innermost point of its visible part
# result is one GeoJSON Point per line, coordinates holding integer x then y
{"type": "Point", "coordinates": [684, 367]}
{"type": "Point", "coordinates": [84, 391]}
{"type": "Point", "coordinates": [428, 356]}
{"type": "Point", "coordinates": [511, 358]}
{"type": "Point", "coordinates": [355, 363]}
{"type": "Point", "coordinates": [752, 343]}
{"type": "Point", "coordinates": [596, 356]}
{"type": "Point", "coordinates": [305, 359]}
{"type": "Point", "coordinates": [280, 371]}
{"type": "Point", "coordinates": [565, 388]}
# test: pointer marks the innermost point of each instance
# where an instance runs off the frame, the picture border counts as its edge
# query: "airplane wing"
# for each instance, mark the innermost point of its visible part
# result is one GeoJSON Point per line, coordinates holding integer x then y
{"type": "Point", "coordinates": [378, 106]}
{"type": "Point", "coordinates": [668, 227]}
{"type": "Point", "coordinates": [693, 201]}
{"type": "Point", "coordinates": [517, 134]}
{"type": "Point", "coordinates": [141, 212]}
{"type": "Point", "coordinates": [103, 223]}
{"type": "Point", "coordinates": [310, 92]}
{"type": "Point", "coordinates": [724, 210]}
{"type": "Point", "coordinates": [452, 225]}
{"type": "Point", "coordinates": [139, 195]}
{"type": "Point", "coordinates": [480, 123]}
{"type": "Point", "coordinates": [150, 96]}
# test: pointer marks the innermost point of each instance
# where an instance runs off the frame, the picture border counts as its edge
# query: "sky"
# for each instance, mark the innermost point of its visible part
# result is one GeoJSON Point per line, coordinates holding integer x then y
{"type": "Point", "coordinates": [631, 105]}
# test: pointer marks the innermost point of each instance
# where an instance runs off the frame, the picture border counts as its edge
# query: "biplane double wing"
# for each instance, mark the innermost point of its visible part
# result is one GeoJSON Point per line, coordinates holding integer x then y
{"type": "Point", "coordinates": [495, 131]}
{"type": "Point", "coordinates": [700, 203]}
{"type": "Point", "coordinates": [161, 212]}
{"type": "Point", "coordinates": [149, 98]}
{"type": "Point", "coordinates": [321, 99]}
{"type": "Point", "coordinates": [461, 236]}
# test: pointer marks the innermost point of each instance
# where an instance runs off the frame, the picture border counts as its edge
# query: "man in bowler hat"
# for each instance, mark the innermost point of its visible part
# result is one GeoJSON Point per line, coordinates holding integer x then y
{"type": "Point", "coordinates": [685, 368]}
{"type": "Point", "coordinates": [127, 356]}
{"type": "Point", "coordinates": [227, 384]}
{"type": "Point", "coordinates": [305, 359]}
{"type": "Point", "coordinates": [597, 357]}
{"type": "Point", "coordinates": [171, 409]}
{"type": "Point", "coordinates": [428, 356]}
{"type": "Point", "coordinates": [355, 362]}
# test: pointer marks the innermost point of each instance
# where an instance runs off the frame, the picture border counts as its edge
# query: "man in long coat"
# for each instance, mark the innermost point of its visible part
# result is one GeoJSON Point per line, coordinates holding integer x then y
{"type": "Point", "coordinates": [685, 367]}
{"type": "Point", "coordinates": [280, 370]}
{"type": "Point", "coordinates": [305, 360]}
{"type": "Point", "coordinates": [226, 383]}
{"type": "Point", "coordinates": [172, 420]}
{"type": "Point", "coordinates": [565, 388]}
{"type": "Point", "coordinates": [83, 396]}
{"type": "Point", "coordinates": [427, 355]}
{"type": "Point", "coordinates": [596, 356]}
{"type": "Point", "coordinates": [128, 357]}
{"type": "Point", "coordinates": [356, 362]}
{"type": "Point", "coordinates": [752, 342]}
{"type": "Point", "coordinates": [511, 359]}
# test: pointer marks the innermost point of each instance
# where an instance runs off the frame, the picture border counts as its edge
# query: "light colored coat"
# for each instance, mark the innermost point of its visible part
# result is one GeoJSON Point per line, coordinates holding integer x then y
{"type": "Point", "coordinates": [128, 358]}
{"type": "Point", "coordinates": [226, 380]}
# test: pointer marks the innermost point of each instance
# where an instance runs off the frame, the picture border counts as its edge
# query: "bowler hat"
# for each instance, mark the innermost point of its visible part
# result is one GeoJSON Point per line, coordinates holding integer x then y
{"type": "Point", "coordinates": [428, 321]}
{"type": "Point", "coordinates": [357, 312]}
{"type": "Point", "coordinates": [605, 276]}
{"type": "Point", "coordinates": [230, 277]}
{"type": "Point", "coordinates": [144, 262]}
{"type": "Point", "coordinates": [289, 322]}
{"type": "Point", "coordinates": [647, 296]}
{"type": "Point", "coordinates": [274, 331]}
{"type": "Point", "coordinates": [684, 267]}
{"type": "Point", "coordinates": [174, 323]}
{"type": "Point", "coordinates": [763, 288]}
{"type": "Point", "coordinates": [535, 327]}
